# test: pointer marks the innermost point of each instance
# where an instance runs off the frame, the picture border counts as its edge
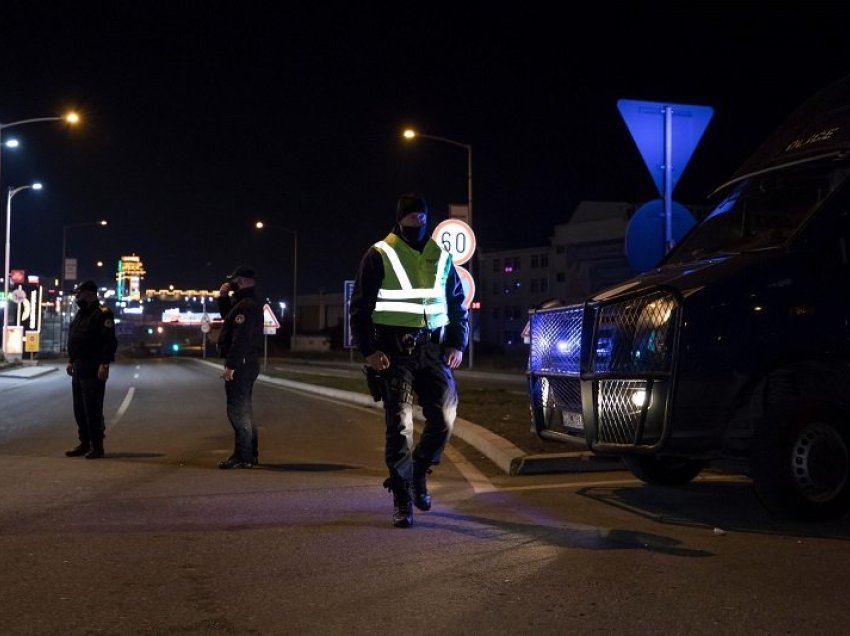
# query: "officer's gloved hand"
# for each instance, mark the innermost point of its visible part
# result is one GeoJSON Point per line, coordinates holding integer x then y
{"type": "Point", "coordinates": [378, 360]}
{"type": "Point", "coordinates": [69, 368]}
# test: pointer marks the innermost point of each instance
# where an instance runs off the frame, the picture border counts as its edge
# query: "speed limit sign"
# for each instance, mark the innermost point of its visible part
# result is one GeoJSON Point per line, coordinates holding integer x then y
{"type": "Point", "coordinates": [457, 238]}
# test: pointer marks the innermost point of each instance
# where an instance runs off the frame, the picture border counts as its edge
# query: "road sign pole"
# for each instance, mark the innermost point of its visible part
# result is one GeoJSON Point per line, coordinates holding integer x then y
{"type": "Point", "coordinates": [668, 179]}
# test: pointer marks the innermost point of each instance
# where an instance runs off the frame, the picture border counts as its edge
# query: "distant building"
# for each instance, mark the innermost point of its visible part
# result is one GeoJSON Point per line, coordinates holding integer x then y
{"type": "Point", "coordinates": [584, 255]}
{"type": "Point", "coordinates": [319, 312]}
{"type": "Point", "coordinates": [129, 276]}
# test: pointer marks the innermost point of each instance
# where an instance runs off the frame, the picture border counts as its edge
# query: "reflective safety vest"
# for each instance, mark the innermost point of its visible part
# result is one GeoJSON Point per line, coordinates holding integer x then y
{"type": "Point", "coordinates": [413, 291]}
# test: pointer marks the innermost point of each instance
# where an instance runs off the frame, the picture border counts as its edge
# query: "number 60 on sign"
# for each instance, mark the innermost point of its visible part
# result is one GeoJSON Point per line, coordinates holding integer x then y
{"type": "Point", "coordinates": [457, 238]}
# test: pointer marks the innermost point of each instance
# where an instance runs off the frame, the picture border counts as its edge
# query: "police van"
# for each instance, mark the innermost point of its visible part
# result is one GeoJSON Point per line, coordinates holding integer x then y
{"type": "Point", "coordinates": [735, 350]}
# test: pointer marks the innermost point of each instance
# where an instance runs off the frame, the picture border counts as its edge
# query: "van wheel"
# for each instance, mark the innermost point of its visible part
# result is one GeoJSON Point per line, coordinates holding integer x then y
{"type": "Point", "coordinates": [545, 415]}
{"type": "Point", "coordinates": [801, 462]}
{"type": "Point", "coordinates": [663, 471]}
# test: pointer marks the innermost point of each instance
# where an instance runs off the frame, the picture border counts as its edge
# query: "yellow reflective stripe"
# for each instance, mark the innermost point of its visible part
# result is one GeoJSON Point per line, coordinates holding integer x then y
{"type": "Point", "coordinates": [410, 308]}
{"type": "Point", "coordinates": [400, 273]}
{"type": "Point", "coordinates": [441, 266]}
{"type": "Point", "coordinates": [410, 294]}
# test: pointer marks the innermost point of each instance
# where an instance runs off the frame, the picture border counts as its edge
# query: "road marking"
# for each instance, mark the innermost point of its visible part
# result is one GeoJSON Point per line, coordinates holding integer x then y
{"type": "Point", "coordinates": [476, 479]}
{"type": "Point", "coordinates": [123, 408]}
{"type": "Point", "coordinates": [617, 482]}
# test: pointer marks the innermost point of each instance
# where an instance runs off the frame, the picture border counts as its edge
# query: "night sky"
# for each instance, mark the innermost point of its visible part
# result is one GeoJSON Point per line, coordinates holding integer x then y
{"type": "Point", "coordinates": [197, 121]}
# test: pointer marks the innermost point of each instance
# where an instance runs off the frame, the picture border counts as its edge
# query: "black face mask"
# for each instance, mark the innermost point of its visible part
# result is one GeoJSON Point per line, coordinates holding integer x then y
{"type": "Point", "coordinates": [82, 304]}
{"type": "Point", "coordinates": [414, 235]}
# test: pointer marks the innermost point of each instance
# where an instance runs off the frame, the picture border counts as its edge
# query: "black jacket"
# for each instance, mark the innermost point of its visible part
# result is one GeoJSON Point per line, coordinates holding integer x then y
{"type": "Point", "coordinates": [370, 275]}
{"type": "Point", "coordinates": [241, 334]}
{"type": "Point", "coordinates": [91, 336]}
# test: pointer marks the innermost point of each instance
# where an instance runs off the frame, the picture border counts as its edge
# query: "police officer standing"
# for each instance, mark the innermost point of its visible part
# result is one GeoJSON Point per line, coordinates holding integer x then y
{"type": "Point", "coordinates": [91, 348]}
{"type": "Point", "coordinates": [409, 322]}
{"type": "Point", "coordinates": [239, 343]}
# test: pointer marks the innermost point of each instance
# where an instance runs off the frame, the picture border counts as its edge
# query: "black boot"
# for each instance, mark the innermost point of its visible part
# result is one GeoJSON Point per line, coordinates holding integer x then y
{"type": "Point", "coordinates": [96, 451]}
{"type": "Point", "coordinates": [421, 498]}
{"type": "Point", "coordinates": [402, 504]}
{"type": "Point", "coordinates": [80, 449]}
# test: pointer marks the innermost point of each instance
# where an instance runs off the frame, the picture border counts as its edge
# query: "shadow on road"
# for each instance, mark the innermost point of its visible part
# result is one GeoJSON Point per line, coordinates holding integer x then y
{"type": "Point", "coordinates": [562, 536]}
{"type": "Point", "coordinates": [307, 467]}
{"type": "Point", "coordinates": [727, 506]}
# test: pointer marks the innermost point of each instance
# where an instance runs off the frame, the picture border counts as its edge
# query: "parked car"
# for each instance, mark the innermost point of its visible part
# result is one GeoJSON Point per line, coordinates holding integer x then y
{"type": "Point", "coordinates": [735, 350]}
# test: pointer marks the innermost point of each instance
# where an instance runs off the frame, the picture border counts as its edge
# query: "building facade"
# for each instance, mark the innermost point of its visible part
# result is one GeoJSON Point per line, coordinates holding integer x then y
{"type": "Point", "coordinates": [583, 256]}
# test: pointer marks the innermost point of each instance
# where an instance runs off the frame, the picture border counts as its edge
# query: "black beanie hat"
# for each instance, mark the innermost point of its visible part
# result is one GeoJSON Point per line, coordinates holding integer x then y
{"type": "Point", "coordinates": [408, 203]}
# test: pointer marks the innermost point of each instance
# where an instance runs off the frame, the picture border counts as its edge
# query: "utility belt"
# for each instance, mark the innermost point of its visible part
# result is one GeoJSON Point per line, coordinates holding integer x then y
{"type": "Point", "coordinates": [406, 341]}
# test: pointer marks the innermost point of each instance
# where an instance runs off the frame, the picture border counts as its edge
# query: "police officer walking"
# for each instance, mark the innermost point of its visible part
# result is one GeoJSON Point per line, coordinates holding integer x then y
{"type": "Point", "coordinates": [409, 322]}
{"type": "Point", "coordinates": [239, 343]}
{"type": "Point", "coordinates": [91, 348]}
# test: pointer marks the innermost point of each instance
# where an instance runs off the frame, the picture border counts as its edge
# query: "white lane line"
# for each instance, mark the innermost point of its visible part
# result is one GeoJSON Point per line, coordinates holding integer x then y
{"type": "Point", "coordinates": [616, 482]}
{"type": "Point", "coordinates": [123, 408]}
{"type": "Point", "coordinates": [476, 479]}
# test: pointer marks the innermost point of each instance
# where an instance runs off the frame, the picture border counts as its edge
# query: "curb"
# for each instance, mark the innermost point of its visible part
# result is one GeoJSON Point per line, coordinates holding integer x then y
{"type": "Point", "coordinates": [25, 371]}
{"type": "Point", "coordinates": [504, 454]}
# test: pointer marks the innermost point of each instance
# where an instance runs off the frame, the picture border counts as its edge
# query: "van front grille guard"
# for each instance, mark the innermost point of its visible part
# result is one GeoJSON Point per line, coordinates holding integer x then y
{"type": "Point", "coordinates": [554, 366]}
{"type": "Point", "coordinates": [630, 361]}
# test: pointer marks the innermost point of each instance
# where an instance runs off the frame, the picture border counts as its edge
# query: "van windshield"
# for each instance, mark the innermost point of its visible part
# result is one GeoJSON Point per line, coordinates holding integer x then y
{"type": "Point", "coordinates": [763, 211]}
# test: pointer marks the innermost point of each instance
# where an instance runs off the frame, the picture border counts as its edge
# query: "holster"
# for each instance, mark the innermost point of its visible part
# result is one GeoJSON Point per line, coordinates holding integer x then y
{"type": "Point", "coordinates": [375, 382]}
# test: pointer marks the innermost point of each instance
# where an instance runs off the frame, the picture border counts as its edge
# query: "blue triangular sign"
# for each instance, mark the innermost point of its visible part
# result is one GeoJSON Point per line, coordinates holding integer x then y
{"type": "Point", "coordinates": [646, 123]}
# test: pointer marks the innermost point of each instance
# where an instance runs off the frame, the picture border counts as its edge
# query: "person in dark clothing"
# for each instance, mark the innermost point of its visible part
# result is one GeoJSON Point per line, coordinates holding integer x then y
{"type": "Point", "coordinates": [239, 343]}
{"type": "Point", "coordinates": [409, 322]}
{"type": "Point", "coordinates": [91, 348]}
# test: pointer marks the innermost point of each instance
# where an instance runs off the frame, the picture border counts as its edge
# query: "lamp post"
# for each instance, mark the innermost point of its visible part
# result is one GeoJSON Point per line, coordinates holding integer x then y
{"type": "Point", "coordinates": [9, 194]}
{"type": "Point", "coordinates": [412, 134]}
{"type": "Point", "coordinates": [65, 229]}
{"type": "Point", "coordinates": [70, 118]}
{"type": "Point", "coordinates": [261, 225]}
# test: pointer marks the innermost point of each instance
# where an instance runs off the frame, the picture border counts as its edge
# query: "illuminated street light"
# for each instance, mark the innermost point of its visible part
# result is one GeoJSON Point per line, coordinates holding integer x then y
{"type": "Point", "coordinates": [260, 225]}
{"type": "Point", "coordinates": [411, 134]}
{"type": "Point", "coordinates": [71, 118]}
{"type": "Point", "coordinates": [10, 193]}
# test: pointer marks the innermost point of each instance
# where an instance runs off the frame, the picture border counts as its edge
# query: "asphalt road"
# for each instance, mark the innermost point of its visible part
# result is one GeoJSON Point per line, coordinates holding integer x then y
{"type": "Point", "coordinates": [154, 539]}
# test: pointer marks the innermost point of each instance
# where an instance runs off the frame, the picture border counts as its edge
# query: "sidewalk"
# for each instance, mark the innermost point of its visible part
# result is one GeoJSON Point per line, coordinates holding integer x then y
{"type": "Point", "coordinates": [24, 371]}
{"type": "Point", "coordinates": [504, 454]}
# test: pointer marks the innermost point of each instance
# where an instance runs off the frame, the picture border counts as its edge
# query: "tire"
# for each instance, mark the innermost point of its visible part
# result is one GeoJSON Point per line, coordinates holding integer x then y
{"type": "Point", "coordinates": [801, 461]}
{"type": "Point", "coordinates": [545, 415]}
{"type": "Point", "coordinates": [663, 471]}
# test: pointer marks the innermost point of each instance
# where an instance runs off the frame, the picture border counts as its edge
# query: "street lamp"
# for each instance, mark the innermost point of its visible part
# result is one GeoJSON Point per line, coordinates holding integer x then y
{"type": "Point", "coordinates": [63, 269]}
{"type": "Point", "coordinates": [70, 118]}
{"type": "Point", "coordinates": [10, 193]}
{"type": "Point", "coordinates": [412, 134]}
{"type": "Point", "coordinates": [261, 225]}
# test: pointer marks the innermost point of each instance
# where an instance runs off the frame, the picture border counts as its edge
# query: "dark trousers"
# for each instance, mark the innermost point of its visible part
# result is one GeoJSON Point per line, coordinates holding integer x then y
{"type": "Point", "coordinates": [88, 392]}
{"type": "Point", "coordinates": [240, 411]}
{"type": "Point", "coordinates": [425, 373]}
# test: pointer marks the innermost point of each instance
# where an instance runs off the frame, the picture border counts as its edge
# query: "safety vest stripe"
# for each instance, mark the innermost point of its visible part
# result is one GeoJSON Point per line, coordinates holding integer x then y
{"type": "Point", "coordinates": [409, 308]}
{"type": "Point", "coordinates": [441, 266]}
{"type": "Point", "coordinates": [399, 270]}
{"type": "Point", "coordinates": [410, 294]}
